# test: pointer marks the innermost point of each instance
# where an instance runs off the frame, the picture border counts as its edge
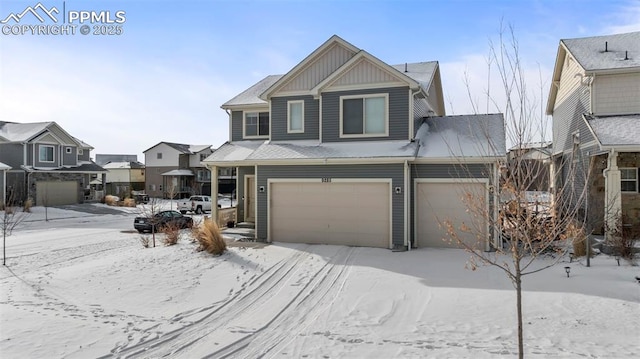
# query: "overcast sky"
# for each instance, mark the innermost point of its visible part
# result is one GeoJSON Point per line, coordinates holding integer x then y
{"type": "Point", "coordinates": [165, 77]}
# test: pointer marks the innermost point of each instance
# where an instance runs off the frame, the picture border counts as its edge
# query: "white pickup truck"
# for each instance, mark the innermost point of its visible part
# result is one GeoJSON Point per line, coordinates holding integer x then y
{"type": "Point", "coordinates": [197, 204]}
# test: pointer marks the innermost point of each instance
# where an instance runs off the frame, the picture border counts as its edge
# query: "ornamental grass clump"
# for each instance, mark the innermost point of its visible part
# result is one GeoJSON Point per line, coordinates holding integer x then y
{"type": "Point", "coordinates": [210, 238]}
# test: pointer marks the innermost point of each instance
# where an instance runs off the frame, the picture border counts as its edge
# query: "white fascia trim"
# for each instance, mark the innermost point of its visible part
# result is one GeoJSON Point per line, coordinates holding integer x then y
{"type": "Point", "coordinates": [458, 160]}
{"type": "Point", "coordinates": [369, 86]}
{"type": "Point", "coordinates": [250, 107]}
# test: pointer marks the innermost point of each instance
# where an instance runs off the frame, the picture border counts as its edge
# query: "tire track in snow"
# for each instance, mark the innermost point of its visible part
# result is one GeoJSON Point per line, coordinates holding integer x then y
{"type": "Point", "coordinates": [264, 286]}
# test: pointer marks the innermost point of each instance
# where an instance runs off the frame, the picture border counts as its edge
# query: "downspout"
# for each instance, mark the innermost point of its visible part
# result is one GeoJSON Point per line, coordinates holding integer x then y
{"type": "Point", "coordinates": [406, 205]}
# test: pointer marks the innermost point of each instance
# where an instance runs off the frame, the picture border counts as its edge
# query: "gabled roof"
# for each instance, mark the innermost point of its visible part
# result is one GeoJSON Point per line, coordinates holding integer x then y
{"type": "Point", "coordinates": [251, 96]}
{"type": "Point", "coordinates": [25, 132]}
{"type": "Point", "coordinates": [333, 40]}
{"type": "Point", "coordinates": [608, 52]}
{"type": "Point", "coordinates": [4, 167]}
{"type": "Point", "coordinates": [181, 147]}
{"type": "Point", "coordinates": [622, 54]}
{"type": "Point", "coordinates": [615, 131]}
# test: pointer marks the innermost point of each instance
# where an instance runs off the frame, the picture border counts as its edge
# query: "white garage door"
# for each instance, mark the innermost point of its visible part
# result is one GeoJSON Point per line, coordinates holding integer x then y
{"type": "Point", "coordinates": [438, 202]}
{"type": "Point", "coordinates": [344, 213]}
{"type": "Point", "coordinates": [56, 193]}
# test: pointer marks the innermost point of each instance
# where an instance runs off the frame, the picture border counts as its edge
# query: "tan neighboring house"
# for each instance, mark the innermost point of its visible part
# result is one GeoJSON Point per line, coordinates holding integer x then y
{"type": "Point", "coordinates": [595, 104]}
{"type": "Point", "coordinates": [124, 177]}
{"type": "Point", "coordinates": [3, 183]}
{"type": "Point", "coordinates": [174, 170]}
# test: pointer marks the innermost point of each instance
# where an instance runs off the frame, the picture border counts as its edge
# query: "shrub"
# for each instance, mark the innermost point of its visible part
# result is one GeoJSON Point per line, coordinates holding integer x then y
{"type": "Point", "coordinates": [145, 241]}
{"type": "Point", "coordinates": [111, 200]}
{"type": "Point", "coordinates": [27, 205]}
{"type": "Point", "coordinates": [171, 234]}
{"type": "Point", "coordinates": [210, 238]}
{"type": "Point", "coordinates": [577, 233]}
{"type": "Point", "coordinates": [621, 239]}
{"type": "Point", "coordinates": [129, 202]}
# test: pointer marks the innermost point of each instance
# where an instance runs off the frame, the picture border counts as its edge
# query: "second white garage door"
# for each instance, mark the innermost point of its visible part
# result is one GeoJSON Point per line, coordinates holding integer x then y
{"type": "Point", "coordinates": [344, 213]}
{"type": "Point", "coordinates": [437, 202]}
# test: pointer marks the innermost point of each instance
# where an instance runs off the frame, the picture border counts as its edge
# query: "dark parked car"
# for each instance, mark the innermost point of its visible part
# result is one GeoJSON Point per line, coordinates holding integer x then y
{"type": "Point", "coordinates": [161, 220]}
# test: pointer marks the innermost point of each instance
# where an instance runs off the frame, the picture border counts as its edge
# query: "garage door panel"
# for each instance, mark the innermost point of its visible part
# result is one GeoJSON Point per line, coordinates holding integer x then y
{"type": "Point", "coordinates": [331, 213]}
{"type": "Point", "coordinates": [55, 193]}
{"type": "Point", "coordinates": [437, 202]}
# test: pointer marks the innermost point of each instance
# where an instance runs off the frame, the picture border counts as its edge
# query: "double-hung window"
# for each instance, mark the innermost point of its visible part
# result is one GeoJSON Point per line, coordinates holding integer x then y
{"type": "Point", "coordinates": [629, 179]}
{"type": "Point", "coordinates": [364, 116]}
{"type": "Point", "coordinates": [46, 153]}
{"type": "Point", "coordinates": [256, 124]}
{"type": "Point", "coordinates": [295, 116]}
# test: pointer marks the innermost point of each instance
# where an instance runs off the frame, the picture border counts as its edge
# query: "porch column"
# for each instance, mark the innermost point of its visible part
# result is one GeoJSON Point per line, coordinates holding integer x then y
{"type": "Point", "coordinates": [612, 191]}
{"type": "Point", "coordinates": [214, 193]}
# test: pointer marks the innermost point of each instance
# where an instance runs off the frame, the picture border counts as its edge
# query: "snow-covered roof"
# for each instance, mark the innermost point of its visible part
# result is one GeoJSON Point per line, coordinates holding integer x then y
{"type": "Point", "coordinates": [199, 148]}
{"type": "Point", "coordinates": [438, 137]}
{"type": "Point", "coordinates": [591, 55]}
{"type": "Point", "coordinates": [616, 130]}
{"type": "Point", "coordinates": [181, 147]}
{"type": "Point", "coordinates": [251, 95]}
{"type": "Point", "coordinates": [180, 172]}
{"type": "Point", "coordinates": [21, 132]}
{"type": "Point", "coordinates": [4, 167]}
{"type": "Point", "coordinates": [421, 72]}
{"type": "Point", "coordinates": [462, 136]}
{"type": "Point", "coordinates": [123, 165]}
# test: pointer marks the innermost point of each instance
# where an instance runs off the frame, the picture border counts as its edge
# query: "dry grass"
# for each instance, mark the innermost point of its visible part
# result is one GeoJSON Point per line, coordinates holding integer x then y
{"type": "Point", "coordinates": [129, 202]}
{"type": "Point", "coordinates": [27, 205]}
{"type": "Point", "coordinates": [111, 200]}
{"type": "Point", "coordinates": [171, 234]}
{"type": "Point", "coordinates": [145, 241]}
{"type": "Point", "coordinates": [579, 236]}
{"type": "Point", "coordinates": [210, 238]}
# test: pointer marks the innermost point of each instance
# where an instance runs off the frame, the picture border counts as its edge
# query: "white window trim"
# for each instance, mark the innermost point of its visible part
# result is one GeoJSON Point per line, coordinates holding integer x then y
{"type": "Point", "coordinates": [68, 150]}
{"type": "Point", "coordinates": [289, 103]}
{"type": "Point", "coordinates": [244, 124]}
{"type": "Point", "coordinates": [629, 180]}
{"type": "Point", "coordinates": [53, 152]}
{"type": "Point", "coordinates": [364, 135]}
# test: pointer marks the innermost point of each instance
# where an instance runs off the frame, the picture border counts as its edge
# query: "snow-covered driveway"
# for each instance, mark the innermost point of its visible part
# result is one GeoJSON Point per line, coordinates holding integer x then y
{"type": "Point", "coordinates": [85, 287]}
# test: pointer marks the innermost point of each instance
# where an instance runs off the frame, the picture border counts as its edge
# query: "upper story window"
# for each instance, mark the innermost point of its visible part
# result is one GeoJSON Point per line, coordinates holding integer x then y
{"type": "Point", "coordinates": [364, 115]}
{"type": "Point", "coordinates": [256, 124]}
{"type": "Point", "coordinates": [295, 116]}
{"type": "Point", "coordinates": [46, 153]}
{"type": "Point", "coordinates": [159, 155]}
{"type": "Point", "coordinates": [629, 179]}
{"type": "Point", "coordinates": [68, 149]}
{"type": "Point", "coordinates": [203, 175]}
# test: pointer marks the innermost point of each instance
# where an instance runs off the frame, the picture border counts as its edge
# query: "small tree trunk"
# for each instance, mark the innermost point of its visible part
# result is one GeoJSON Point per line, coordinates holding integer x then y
{"type": "Point", "coordinates": [519, 311]}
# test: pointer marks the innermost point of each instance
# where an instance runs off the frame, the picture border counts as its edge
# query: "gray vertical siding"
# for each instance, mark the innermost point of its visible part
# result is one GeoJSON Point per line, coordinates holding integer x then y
{"type": "Point", "coordinates": [279, 119]}
{"type": "Point", "coordinates": [393, 171]}
{"type": "Point", "coordinates": [236, 125]}
{"type": "Point", "coordinates": [567, 118]}
{"type": "Point", "coordinates": [441, 171]}
{"type": "Point", "coordinates": [70, 159]}
{"type": "Point", "coordinates": [11, 154]}
{"type": "Point", "coordinates": [398, 114]}
{"type": "Point", "coordinates": [240, 190]}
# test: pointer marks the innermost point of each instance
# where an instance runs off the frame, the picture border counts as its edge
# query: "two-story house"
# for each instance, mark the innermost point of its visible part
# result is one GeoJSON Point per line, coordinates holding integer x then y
{"type": "Point", "coordinates": [124, 177]}
{"type": "Point", "coordinates": [47, 164]}
{"type": "Point", "coordinates": [346, 149]}
{"type": "Point", "coordinates": [595, 103]}
{"type": "Point", "coordinates": [175, 170]}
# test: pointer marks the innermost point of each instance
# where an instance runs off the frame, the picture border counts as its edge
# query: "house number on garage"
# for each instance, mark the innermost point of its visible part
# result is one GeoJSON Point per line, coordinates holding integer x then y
{"type": "Point", "coordinates": [326, 180]}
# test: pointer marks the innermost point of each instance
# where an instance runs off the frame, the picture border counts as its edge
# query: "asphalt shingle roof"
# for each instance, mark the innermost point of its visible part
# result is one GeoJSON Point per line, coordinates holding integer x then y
{"type": "Point", "coordinates": [591, 55]}
{"type": "Point", "coordinates": [251, 95]}
{"type": "Point", "coordinates": [616, 130]}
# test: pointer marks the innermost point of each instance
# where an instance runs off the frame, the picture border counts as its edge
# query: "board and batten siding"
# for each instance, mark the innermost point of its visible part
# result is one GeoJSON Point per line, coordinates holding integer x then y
{"type": "Point", "coordinates": [445, 171]}
{"type": "Point", "coordinates": [617, 94]}
{"type": "Point", "coordinates": [279, 116]}
{"type": "Point", "coordinates": [398, 114]}
{"type": "Point", "coordinates": [395, 172]}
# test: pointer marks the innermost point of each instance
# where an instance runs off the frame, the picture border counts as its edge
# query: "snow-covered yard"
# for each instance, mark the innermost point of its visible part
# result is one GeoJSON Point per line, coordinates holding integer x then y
{"type": "Point", "coordinates": [83, 286]}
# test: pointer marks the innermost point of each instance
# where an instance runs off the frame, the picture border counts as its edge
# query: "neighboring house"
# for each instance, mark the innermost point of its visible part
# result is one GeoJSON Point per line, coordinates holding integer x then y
{"type": "Point", "coordinates": [595, 103]}
{"type": "Point", "coordinates": [175, 170]}
{"type": "Point", "coordinates": [124, 177]}
{"type": "Point", "coordinates": [48, 165]}
{"type": "Point", "coordinates": [346, 149]}
{"type": "Point", "coordinates": [536, 158]}
{"type": "Point", "coordinates": [103, 159]}
{"type": "Point", "coordinates": [3, 188]}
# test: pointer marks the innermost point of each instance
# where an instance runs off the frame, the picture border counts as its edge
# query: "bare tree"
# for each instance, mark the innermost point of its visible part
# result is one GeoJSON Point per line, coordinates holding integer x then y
{"type": "Point", "coordinates": [11, 218]}
{"type": "Point", "coordinates": [529, 224]}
